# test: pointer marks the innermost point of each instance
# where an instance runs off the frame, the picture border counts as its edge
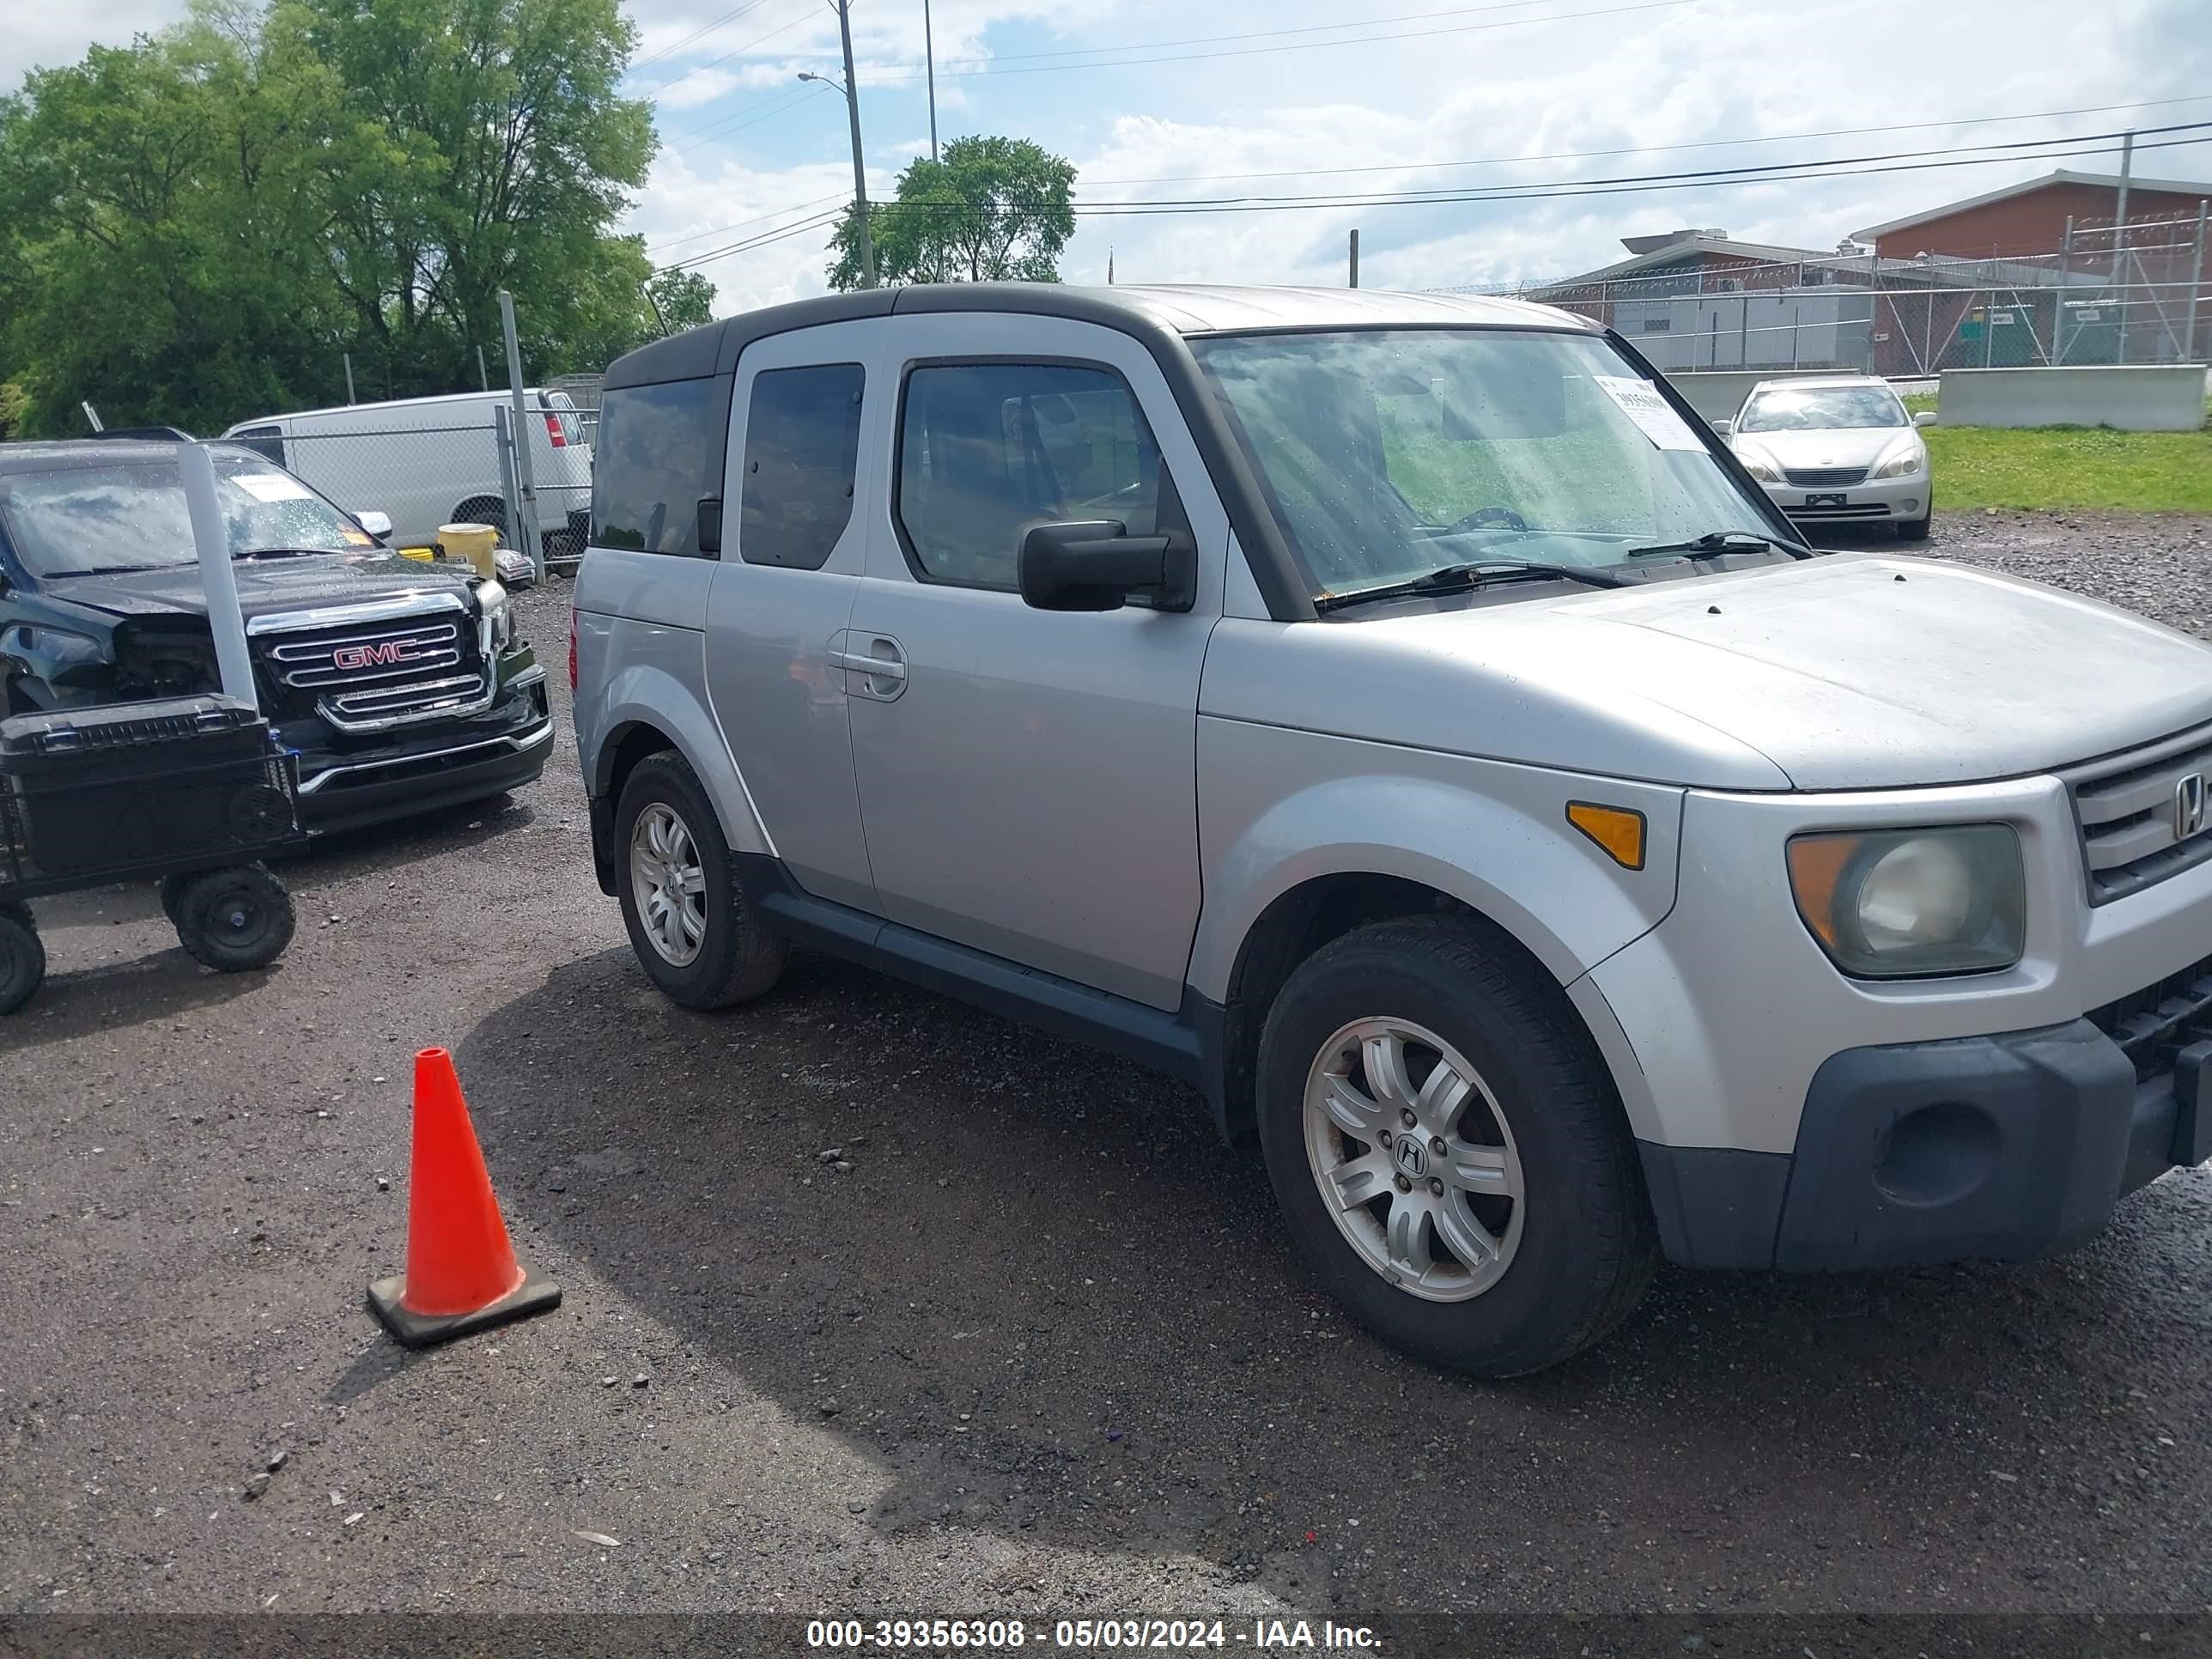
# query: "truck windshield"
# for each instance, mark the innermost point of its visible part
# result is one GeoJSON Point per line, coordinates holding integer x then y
{"type": "Point", "coordinates": [130, 514]}
{"type": "Point", "coordinates": [1387, 454]}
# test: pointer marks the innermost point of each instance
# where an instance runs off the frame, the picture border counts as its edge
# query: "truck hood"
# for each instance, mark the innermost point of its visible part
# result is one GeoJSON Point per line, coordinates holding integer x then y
{"type": "Point", "coordinates": [264, 584]}
{"type": "Point", "coordinates": [1848, 672]}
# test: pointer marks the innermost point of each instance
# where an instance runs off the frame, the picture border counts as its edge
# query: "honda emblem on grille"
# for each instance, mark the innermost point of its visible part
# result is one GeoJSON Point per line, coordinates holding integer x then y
{"type": "Point", "coordinates": [2188, 806]}
{"type": "Point", "coordinates": [385, 652]}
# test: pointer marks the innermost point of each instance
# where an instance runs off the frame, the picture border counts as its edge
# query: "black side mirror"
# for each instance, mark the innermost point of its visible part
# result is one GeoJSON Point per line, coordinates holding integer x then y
{"type": "Point", "coordinates": [1093, 564]}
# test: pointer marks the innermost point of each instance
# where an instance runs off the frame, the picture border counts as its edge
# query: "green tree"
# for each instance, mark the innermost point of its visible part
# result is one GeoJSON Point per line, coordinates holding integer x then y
{"type": "Point", "coordinates": [199, 227]}
{"type": "Point", "coordinates": [680, 299]}
{"type": "Point", "coordinates": [993, 210]}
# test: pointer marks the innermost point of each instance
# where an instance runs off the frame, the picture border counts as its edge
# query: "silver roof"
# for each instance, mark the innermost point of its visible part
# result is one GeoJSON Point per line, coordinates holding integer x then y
{"type": "Point", "coordinates": [1209, 308]}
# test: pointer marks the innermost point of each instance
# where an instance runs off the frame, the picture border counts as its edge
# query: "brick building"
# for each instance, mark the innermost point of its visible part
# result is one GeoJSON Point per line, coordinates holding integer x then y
{"type": "Point", "coordinates": [2030, 218]}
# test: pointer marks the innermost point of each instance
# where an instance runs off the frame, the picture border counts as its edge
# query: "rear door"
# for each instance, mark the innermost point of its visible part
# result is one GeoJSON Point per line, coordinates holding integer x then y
{"type": "Point", "coordinates": [1027, 777]}
{"type": "Point", "coordinates": [792, 552]}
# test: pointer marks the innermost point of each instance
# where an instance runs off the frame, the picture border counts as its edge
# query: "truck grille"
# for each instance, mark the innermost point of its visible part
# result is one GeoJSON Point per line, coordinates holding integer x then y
{"type": "Point", "coordinates": [2153, 1024]}
{"type": "Point", "coordinates": [361, 674]}
{"type": "Point", "coordinates": [1824, 477]}
{"type": "Point", "coordinates": [2143, 816]}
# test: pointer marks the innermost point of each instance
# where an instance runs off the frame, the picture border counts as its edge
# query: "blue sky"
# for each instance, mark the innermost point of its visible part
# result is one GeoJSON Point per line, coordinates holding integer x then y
{"type": "Point", "coordinates": [1249, 98]}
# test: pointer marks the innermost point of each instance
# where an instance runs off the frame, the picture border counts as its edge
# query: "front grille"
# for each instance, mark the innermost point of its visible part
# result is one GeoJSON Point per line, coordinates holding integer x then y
{"type": "Point", "coordinates": [2134, 810]}
{"type": "Point", "coordinates": [356, 673]}
{"type": "Point", "coordinates": [1856, 510]}
{"type": "Point", "coordinates": [2153, 1024]}
{"type": "Point", "coordinates": [1824, 477]}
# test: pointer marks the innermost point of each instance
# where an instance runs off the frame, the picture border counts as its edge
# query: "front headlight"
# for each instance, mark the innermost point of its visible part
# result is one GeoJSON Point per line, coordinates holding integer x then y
{"type": "Point", "coordinates": [1759, 467]}
{"type": "Point", "coordinates": [1907, 904]}
{"type": "Point", "coordinates": [1905, 462]}
{"type": "Point", "coordinates": [498, 612]}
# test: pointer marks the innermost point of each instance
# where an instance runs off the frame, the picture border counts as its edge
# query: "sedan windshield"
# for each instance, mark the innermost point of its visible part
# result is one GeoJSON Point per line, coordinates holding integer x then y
{"type": "Point", "coordinates": [130, 514]}
{"type": "Point", "coordinates": [1822, 409]}
{"type": "Point", "coordinates": [1391, 454]}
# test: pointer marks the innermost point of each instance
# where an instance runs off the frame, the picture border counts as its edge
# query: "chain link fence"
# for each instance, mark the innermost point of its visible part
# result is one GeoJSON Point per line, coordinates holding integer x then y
{"type": "Point", "coordinates": [456, 467]}
{"type": "Point", "coordinates": [2135, 293]}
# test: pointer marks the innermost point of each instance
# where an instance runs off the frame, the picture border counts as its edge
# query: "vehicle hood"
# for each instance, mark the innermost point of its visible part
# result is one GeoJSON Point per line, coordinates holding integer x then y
{"type": "Point", "coordinates": [1845, 447]}
{"type": "Point", "coordinates": [1848, 672]}
{"type": "Point", "coordinates": [264, 584]}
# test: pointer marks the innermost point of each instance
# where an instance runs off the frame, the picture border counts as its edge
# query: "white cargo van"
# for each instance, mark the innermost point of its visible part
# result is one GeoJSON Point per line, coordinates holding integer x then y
{"type": "Point", "coordinates": [431, 461]}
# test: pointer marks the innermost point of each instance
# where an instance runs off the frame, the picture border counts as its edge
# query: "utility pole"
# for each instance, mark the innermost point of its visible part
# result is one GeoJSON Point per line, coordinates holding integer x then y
{"type": "Point", "coordinates": [2120, 240]}
{"type": "Point", "coordinates": [529, 532]}
{"type": "Point", "coordinates": [1355, 259]}
{"type": "Point", "coordinates": [929, 62]}
{"type": "Point", "coordinates": [852, 91]}
{"type": "Point", "coordinates": [350, 399]}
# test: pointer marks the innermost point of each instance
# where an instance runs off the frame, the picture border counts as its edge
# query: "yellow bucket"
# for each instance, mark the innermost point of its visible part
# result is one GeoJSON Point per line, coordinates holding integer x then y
{"type": "Point", "coordinates": [420, 555]}
{"type": "Point", "coordinates": [475, 543]}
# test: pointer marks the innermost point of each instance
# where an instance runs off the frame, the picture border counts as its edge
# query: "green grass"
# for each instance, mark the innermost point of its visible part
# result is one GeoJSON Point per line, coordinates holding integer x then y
{"type": "Point", "coordinates": [2059, 467]}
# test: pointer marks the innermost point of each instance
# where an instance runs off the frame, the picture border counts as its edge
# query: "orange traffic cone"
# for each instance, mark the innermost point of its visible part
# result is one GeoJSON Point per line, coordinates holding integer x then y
{"type": "Point", "coordinates": [461, 1272]}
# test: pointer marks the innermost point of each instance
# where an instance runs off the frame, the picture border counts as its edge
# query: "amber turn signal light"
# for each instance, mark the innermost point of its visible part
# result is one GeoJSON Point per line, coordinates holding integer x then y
{"type": "Point", "coordinates": [1618, 829]}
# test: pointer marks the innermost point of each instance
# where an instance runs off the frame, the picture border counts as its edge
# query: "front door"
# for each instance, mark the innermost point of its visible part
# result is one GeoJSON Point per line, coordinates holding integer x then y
{"type": "Point", "coordinates": [1028, 778]}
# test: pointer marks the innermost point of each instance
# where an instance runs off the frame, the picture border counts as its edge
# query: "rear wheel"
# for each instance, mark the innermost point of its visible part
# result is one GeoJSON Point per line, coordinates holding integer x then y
{"type": "Point", "coordinates": [694, 935]}
{"type": "Point", "coordinates": [1448, 1151]}
{"type": "Point", "coordinates": [234, 919]}
{"type": "Point", "coordinates": [22, 957]}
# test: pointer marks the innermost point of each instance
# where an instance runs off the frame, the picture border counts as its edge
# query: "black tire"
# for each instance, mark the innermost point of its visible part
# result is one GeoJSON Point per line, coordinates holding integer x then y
{"type": "Point", "coordinates": [1916, 530]}
{"type": "Point", "coordinates": [1586, 1246]}
{"type": "Point", "coordinates": [737, 958]}
{"type": "Point", "coordinates": [22, 957]}
{"type": "Point", "coordinates": [234, 919]}
{"type": "Point", "coordinates": [169, 887]}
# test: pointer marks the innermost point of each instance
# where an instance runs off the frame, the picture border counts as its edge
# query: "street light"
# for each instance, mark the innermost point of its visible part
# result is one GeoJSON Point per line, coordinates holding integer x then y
{"type": "Point", "coordinates": [849, 86]}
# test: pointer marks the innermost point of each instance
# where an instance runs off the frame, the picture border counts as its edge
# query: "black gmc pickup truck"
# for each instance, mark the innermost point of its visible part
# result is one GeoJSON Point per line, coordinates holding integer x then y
{"type": "Point", "coordinates": [399, 686]}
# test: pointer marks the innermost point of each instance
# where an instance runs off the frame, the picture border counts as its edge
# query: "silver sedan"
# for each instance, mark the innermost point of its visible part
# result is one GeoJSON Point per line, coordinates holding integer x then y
{"type": "Point", "coordinates": [1837, 448]}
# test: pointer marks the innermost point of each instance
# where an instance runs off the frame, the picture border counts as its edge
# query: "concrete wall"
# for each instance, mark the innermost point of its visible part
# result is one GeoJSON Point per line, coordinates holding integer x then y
{"type": "Point", "coordinates": [2166, 398]}
{"type": "Point", "coordinates": [1717, 394]}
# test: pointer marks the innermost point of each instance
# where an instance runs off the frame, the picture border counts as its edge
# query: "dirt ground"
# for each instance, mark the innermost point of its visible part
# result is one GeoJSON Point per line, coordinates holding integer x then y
{"type": "Point", "coordinates": [1042, 1352]}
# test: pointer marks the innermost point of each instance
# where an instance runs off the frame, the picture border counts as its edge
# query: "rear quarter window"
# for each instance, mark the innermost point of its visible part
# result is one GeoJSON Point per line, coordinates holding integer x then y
{"type": "Point", "coordinates": [657, 456]}
{"type": "Point", "coordinates": [802, 441]}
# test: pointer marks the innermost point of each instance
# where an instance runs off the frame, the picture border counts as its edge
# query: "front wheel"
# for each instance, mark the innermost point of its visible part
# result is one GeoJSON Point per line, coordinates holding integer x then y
{"type": "Point", "coordinates": [234, 919]}
{"type": "Point", "coordinates": [1449, 1152]}
{"type": "Point", "coordinates": [694, 934]}
{"type": "Point", "coordinates": [22, 957]}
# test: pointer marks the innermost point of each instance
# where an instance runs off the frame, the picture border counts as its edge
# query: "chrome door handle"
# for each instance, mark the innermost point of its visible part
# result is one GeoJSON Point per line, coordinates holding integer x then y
{"type": "Point", "coordinates": [882, 668]}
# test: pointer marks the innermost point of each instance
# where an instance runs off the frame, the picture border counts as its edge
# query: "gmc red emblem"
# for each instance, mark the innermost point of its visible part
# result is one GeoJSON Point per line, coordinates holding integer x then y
{"type": "Point", "coordinates": [383, 654]}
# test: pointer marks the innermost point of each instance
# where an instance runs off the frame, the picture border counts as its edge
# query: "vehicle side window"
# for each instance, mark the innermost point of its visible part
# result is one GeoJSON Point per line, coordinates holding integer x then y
{"type": "Point", "coordinates": [988, 450]}
{"type": "Point", "coordinates": [266, 441]}
{"type": "Point", "coordinates": [802, 440]}
{"type": "Point", "coordinates": [651, 466]}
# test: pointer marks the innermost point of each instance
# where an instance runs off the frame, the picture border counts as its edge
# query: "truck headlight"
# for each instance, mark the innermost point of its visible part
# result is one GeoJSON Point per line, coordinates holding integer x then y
{"type": "Point", "coordinates": [498, 613]}
{"type": "Point", "coordinates": [1905, 462]}
{"type": "Point", "coordinates": [1908, 903]}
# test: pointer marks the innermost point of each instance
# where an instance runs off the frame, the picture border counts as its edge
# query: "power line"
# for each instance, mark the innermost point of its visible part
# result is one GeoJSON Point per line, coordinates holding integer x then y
{"type": "Point", "coordinates": [730, 16]}
{"type": "Point", "coordinates": [721, 130]}
{"type": "Point", "coordinates": [1657, 150]}
{"type": "Point", "coordinates": [1785, 169]}
{"type": "Point", "coordinates": [653, 93]}
{"type": "Point", "coordinates": [1307, 45]}
{"type": "Point", "coordinates": [699, 236]}
{"type": "Point", "coordinates": [1831, 167]}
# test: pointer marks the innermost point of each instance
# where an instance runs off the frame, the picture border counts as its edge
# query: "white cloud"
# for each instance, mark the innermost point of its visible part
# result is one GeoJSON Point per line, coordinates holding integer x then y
{"type": "Point", "coordinates": [1292, 89]}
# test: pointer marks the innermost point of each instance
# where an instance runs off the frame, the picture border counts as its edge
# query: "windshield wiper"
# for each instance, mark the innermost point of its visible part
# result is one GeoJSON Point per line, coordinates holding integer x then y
{"type": "Point", "coordinates": [280, 553]}
{"type": "Point", "coordinates": [1462, 578]}
{"type": "Point", "coordinates": [1717, 543]}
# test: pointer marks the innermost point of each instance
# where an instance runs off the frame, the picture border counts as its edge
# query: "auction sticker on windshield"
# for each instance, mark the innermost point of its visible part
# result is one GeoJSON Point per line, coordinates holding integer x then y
{"type": "Point", "coordinates": [1640, 401]}
{"type": "Point", "coordinates": [273, 487]}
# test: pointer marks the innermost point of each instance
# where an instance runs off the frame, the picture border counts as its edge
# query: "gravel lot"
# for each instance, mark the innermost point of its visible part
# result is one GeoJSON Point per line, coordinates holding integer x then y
{"type": "Point", "coordinates": [1043, 1352]}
